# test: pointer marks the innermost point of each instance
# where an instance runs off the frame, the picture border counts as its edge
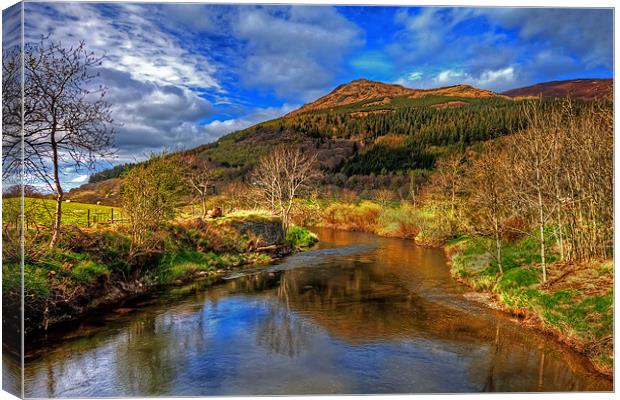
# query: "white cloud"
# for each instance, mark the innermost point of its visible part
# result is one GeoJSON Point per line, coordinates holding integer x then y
{"type": "Point", "coordinates": [11, 26]}
{"type": "Point", "coordinates": [80, 179]}
{"type": "Point", "coordinates": [131, 41]}
{"type": "Point", "coordinates": [516, 46]}
{"type": "Point", "coordinates": [294, 50]}
{"type": "Point", "coordinates": [585, 32]}
{"type": "Point", "coordinates": [219, 128]}
{"type": "Point", "coordinates": [497, 80]}
{"type": "Point", "coordinates": [500, 79]}
{"type": "Point", "coordinates": [414, 76]}
{"type": "Point", "coordinates": [154, 84]}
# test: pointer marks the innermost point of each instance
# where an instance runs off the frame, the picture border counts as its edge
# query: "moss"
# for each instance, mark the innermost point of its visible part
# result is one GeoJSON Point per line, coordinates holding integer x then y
{"type": "Point", "coordinates": [88, 270]}
{"type": "Point", "coordinates": [300, 238]}
{"type": "Point", "coordinates": [185, 263]}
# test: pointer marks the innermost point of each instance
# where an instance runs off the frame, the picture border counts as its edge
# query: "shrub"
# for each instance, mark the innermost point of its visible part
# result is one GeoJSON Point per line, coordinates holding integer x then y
{"type": "Point", "coordinates": [432, 230]}
{"type": "Point", "coordinates": [362, 217]}
{"type": "Point", "coordinates": [398, 222]}
{"type": "Point", "coordinates": [298, 237]}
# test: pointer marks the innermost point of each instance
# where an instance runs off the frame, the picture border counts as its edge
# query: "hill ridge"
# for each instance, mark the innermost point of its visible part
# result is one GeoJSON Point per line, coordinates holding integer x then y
{"type": "Point", "coordinates": [363, 89]}
{"type": "Point", "coordinates": [579, 88]}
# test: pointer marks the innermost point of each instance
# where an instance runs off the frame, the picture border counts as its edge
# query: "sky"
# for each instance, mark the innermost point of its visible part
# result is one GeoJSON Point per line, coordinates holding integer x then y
{"type": "Point", "coordinates": [181, 75]}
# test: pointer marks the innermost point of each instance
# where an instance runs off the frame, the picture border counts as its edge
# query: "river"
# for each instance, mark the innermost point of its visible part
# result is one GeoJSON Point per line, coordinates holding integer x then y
{"type": "Point", "coordinates": [357, 314]}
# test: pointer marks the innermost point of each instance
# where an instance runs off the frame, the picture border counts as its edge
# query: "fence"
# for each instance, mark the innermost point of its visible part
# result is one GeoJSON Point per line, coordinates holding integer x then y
{"type": "Point", "coordinates": [41, 213]}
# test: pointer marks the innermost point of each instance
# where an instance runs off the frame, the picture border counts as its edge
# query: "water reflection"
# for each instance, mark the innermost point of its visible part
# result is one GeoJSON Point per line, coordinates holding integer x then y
{"type": "Point", "coordinates": [385, 318]}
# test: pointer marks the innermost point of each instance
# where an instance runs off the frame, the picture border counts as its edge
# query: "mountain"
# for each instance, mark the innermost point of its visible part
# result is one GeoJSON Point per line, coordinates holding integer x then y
{"type": "Point", "coordinates": [366, 127]}
{"type": "Point", "coordinates": [368, 134]}
{"type": "Point", "coordinates": [586, 89]}
{"type": "Point", "coordinates": [363, 89]}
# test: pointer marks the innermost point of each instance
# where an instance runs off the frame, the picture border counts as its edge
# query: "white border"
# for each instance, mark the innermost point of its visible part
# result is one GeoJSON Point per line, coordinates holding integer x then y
{"type": "Point", "coordinates": [478, 3]}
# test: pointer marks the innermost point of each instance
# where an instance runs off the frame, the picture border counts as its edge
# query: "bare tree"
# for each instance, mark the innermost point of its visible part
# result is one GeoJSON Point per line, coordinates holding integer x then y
{"type": "Point", "coordinates": [583, 180]}
{"type": "Point", "coordinates": [448, 178]}
{"type": "Point", "coordinates": [12, 117]}
{"type": "Point", "coordinates": [66, 119]}
{"type": "Point", "coordinates": [489, 203]}
{"type": "Point", "coordinates": [383, 196]}
{"type": "Point", "coordinates": [198, 174]}
{"type": "Point", "coordinates": [282, 176]}
{"type": "Point", "coordinates": [534, 170]}
{"type": "Point", "coordinates": [416, 181]}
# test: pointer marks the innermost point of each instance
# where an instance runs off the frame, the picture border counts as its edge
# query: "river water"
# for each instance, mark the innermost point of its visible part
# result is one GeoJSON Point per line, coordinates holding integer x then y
{"type": "Point", "coordinates": [357, 314]}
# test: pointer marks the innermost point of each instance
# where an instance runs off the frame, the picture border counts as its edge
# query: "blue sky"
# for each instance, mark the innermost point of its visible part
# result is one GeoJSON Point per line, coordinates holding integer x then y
{"type": "Point", "coordinates": [180, 75]}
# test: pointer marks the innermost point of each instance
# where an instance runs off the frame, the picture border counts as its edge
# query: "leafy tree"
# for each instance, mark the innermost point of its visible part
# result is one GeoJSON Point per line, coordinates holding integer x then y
{"type": "Point", "coordinates": [150, 195]}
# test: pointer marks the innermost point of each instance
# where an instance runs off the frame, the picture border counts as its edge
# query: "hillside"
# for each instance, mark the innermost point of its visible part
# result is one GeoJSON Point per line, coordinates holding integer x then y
{"type": "Point", "coordinates": [576, 88]}
{"type": "Point", "coordinates": [366, 127]}
{"type": "Point", "coordinates": [106, 192]}
{"type": "Point", "coordinates": [361, 90]}
{"type": "Point", "coordinates": [367, 134]}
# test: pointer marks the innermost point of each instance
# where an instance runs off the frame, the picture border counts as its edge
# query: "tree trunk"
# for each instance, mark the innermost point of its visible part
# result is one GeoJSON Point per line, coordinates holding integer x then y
{"type": "Point", "coordinates": [498, 248]}
{"type": "Point", "coordinates": [203, 205]}
{"type": "Point", "coordinates": [453, 200]}
{"type": "Point", "coordinates": [560, 234]}
{"type": "Point", "coordinates": [59, 195]}
{"type": "Point", "coordinates": [541, 222]}
{"type": "Point", "coordinates": [541, 226]}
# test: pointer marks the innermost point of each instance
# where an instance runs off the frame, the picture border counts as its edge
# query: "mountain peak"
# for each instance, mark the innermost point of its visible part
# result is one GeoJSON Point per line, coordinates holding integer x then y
{"type": "Point", "coordinates": [362, 89]}
{"type": "Point", "coordinates": [355, 91]}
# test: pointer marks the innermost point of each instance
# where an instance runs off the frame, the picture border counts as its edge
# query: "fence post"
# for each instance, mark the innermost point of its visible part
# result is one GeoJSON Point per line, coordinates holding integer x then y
{"type": "Point", "coordinates": [88, 218]}
{"type": "Point", "coordinates": [112, 215]}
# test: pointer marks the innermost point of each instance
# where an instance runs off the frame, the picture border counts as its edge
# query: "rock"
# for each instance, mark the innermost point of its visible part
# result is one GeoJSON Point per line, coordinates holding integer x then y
{"type": "Point", "coordinates": [215, 212]}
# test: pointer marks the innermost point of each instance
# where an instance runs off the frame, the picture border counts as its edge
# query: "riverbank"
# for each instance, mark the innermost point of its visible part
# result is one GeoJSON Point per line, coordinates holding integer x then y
{"type": "Point", "coordinates": [575, 305]}
{"type": "Point", "coordinates": [354, 297]}
{"type": "Point", "coordinates": [405, 221]}
{"type": "Point", "coordinates": [92, 268]}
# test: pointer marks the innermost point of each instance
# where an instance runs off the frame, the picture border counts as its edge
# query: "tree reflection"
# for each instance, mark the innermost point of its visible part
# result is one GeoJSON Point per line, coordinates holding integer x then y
{"type": "Point", "coordinates": [283, 332]}
{"type": "Point", "coordinates": [154, 349]}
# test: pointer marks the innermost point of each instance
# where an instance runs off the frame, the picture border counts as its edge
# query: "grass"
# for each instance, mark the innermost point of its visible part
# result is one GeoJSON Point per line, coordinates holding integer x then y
{"type": "Point", "coordinates": [300, 238]}
{"type": "Point", "coordinates": [41, 212]}
{"type": "Point", "coordinates": [185, 263]}
{"type": "Point", "coordinates": [576, 303]}
{"type": "Point", "coordinates": [399, 221]}
{"type": "Point", "coordinates": [393, 220]}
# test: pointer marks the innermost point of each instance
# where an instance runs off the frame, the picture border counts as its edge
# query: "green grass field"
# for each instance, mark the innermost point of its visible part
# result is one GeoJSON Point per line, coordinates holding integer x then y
{"type": "Point", "coordinates": [41, 212]}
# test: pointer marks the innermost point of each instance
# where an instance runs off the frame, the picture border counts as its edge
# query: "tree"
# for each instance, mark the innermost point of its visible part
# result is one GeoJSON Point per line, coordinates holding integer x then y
{"type": "Point", "coordinates": [282, 176]}
{"type": "Point", "coordinates": [448, 178]}
{"type": "Point", "coordinates": [198, 175]}
{"type": "Point", "coordinates": [66, 119]}
{"type": "Point", "coordinates": [417, 178]}
{"type": "Point", "coordinates": [533, 154]}
{"type": "Point", "coordinates": [383, 196]}
{"type": "Point", "coordinates": [149, 197]}
{"type": "Point", "coordinates": [488, 201]}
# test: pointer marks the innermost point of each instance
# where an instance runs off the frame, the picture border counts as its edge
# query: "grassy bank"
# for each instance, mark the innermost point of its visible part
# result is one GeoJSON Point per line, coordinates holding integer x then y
{"type": "Point", "coordinates": [425, 225]}
{"type": "Point", "coordinates": [41, 212]}
{"type": "Point", "coordinates": [575, 304]}
{"type": "Point", "coordinates": [93, 267]}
